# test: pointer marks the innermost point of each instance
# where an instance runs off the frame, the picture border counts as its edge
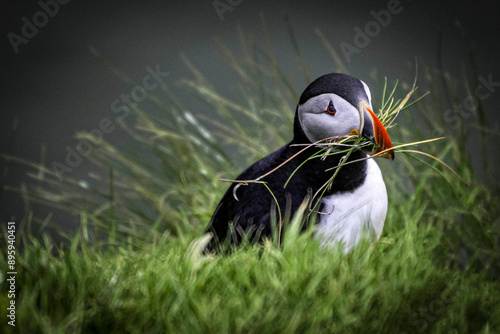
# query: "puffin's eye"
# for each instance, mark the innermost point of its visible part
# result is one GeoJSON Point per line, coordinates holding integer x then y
{"type": "Point", "coordinates": [331, 108]}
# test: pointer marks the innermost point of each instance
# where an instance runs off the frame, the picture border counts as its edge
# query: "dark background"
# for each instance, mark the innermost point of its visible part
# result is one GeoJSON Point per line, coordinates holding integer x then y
{"type": "Point", "coordinates": [54, 86]}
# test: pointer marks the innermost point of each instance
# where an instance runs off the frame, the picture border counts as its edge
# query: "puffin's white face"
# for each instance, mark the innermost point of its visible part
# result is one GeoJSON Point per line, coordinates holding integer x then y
{"type": "Point", "coordinates": [329, 115]}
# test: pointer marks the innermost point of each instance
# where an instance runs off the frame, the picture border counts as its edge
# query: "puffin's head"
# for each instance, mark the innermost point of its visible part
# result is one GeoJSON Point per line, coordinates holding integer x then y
{"type": "Point", "coordinates": [334, 105]}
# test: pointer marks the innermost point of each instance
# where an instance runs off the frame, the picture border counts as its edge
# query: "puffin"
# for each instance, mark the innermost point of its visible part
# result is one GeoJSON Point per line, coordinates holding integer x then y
{"type": "Point", "coordinates": [350, 207]}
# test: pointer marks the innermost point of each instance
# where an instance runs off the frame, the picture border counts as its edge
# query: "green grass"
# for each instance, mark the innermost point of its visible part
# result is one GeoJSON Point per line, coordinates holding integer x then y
{"type": "Point", "coordinates": [169, 286]}
{"type": "Point", "coordinates": [135, 264]}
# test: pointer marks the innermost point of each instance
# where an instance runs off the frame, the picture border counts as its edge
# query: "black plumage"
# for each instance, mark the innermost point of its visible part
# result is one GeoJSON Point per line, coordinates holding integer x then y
{"type": "Point", "coordinates": [346, 86]}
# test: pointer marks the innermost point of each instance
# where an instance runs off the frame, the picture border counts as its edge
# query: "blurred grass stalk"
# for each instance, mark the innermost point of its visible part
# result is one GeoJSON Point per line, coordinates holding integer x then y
{"type": "Point", "coordinates": [178, 187]}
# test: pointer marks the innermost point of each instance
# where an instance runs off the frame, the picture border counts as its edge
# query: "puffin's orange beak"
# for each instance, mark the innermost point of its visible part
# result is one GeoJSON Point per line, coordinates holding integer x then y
{"type": "Point", "coordinates": [374, 131]}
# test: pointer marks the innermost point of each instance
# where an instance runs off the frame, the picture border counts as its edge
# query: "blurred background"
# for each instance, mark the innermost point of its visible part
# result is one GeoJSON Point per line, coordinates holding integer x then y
{"type": "Point", "coordinates": [55, 83]}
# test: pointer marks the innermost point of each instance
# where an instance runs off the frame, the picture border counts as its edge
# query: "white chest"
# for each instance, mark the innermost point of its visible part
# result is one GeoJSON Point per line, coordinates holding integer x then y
{"type": "Point", "coordinates": [350, 215]}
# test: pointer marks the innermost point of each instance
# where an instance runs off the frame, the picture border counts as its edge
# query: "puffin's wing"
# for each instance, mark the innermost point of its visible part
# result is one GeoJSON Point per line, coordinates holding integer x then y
{"type": "Point", "coordinates": [248, 207]}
